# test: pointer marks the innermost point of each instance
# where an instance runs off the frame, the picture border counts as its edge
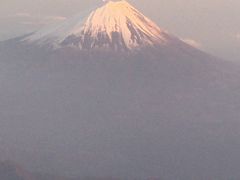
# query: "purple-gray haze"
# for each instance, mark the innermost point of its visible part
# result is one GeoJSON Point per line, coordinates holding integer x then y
{"type": "Point", "coordinates": [159, 109]}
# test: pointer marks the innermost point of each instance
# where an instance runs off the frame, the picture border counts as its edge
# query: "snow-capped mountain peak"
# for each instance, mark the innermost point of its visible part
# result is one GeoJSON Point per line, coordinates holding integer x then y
{"type": "Point", "coordinates": [116, 25]}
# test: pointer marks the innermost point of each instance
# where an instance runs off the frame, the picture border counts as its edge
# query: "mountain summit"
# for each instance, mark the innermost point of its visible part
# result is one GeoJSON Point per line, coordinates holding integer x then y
{"type": "Point", "coordinates": [147, 104]}
{"type": "Point", "coordinates": [116, 25]}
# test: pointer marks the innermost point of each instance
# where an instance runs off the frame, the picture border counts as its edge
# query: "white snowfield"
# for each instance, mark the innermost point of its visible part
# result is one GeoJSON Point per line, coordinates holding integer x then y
{"type": "Point", "coordinates": [115, 25]}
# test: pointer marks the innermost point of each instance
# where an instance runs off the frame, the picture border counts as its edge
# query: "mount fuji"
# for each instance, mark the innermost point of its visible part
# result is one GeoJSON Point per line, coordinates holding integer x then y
{"type": "Point", "coordinates": [114, 95]}
{"type": "Point", "coordinates": [114, 26]}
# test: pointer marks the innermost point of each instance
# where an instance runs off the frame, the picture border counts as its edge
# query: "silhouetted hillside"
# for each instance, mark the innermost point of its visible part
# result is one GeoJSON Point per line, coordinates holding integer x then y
{"type": "Point", "coordinates": [11, 171]}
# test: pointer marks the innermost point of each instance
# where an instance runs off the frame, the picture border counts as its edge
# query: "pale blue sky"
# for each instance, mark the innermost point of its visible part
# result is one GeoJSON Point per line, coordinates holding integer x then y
{"type": "Point", "coordinates": [212, 24]}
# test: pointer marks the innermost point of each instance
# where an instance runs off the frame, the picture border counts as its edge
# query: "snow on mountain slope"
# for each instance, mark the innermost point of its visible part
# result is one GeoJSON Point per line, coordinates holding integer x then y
{"type": "Point", "coordinates": [115, 25]}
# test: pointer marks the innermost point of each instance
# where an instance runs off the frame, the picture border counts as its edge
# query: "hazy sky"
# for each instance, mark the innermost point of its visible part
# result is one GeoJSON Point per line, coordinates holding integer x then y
{"type": "Point", "coordinates": [213, 25]}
